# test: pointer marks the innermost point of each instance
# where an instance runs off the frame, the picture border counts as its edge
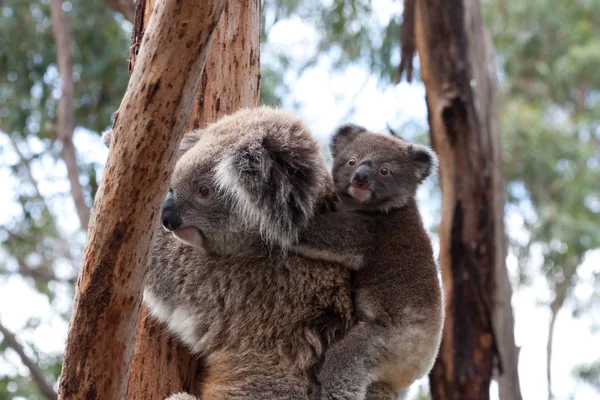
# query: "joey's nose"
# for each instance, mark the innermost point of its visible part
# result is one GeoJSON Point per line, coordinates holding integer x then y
{"type": "Point", "coordinates": [170, 218]}
{"type": "Point", "coordinates": [363, 176]}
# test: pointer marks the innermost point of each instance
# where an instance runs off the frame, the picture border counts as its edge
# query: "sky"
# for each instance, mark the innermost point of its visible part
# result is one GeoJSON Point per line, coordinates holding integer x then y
{"type": "Point", "coordinates": [323, 99]}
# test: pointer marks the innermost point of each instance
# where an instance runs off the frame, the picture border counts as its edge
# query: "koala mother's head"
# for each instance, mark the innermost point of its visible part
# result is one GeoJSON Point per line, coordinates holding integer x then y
{"type": "Point", "coordinates": [256, 174]}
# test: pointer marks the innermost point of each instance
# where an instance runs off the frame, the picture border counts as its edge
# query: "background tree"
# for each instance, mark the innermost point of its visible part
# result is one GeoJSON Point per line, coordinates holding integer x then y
{"type": "Point", "coordinates": [455, 54]}
{"type": "Point", "coordinates": [552, 105]}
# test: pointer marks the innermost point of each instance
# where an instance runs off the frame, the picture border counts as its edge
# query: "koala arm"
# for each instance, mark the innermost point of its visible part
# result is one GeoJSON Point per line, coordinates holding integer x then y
{"type": "Point", "coordinates": [343, 236]}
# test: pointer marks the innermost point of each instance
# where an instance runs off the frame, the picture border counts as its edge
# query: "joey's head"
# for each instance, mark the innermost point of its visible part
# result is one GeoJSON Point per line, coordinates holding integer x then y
{"type": "Point", "coordinates": [255, 177]}
{"type": "Point", "coordinates": [378, 172]}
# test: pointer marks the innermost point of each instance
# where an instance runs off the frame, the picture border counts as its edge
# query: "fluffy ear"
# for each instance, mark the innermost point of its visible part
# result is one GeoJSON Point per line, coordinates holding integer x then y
{"type": "Point", "coordinates": [106, 136]}
{"type": "Point", "coordinates": [394, 133]}
{"type": "Point", "coordinates": [189, 140]}
{"type": "Point", "coordinates": [277, 182]}
{"type": "Point", "coordinates": [426, 161]}
{"type": "Point", "coordinates": [343, 136]}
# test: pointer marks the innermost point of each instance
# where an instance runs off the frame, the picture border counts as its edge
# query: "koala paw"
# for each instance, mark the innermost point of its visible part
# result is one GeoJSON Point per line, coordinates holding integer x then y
{"type": "Point", "coordinates": [330, 203]}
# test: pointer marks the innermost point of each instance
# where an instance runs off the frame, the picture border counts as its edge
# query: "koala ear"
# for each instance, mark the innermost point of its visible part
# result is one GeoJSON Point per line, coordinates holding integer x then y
{"type": "Point", "coordinates": [189, 140]}
{"type": "Point", "coordinates": [278, 181]}
{"type": "Point", "coordinates": [426, 161]}
{"type": "Point", "coordinates": [106, 136]}
{"type": "Point", "coordinates": [343, 136]}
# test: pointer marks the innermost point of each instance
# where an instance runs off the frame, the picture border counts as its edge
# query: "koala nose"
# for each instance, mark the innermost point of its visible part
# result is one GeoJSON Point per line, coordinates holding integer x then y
{"type": "Point", "coordinates": [363, 176]}
{"type": "Point", "coordinates": [170, 219]}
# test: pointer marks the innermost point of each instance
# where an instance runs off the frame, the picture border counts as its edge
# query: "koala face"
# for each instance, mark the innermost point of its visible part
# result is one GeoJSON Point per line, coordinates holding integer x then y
{"type": "Point", "coordinates": [196, 210]}
{"type": "Point", "coordinates": [255, 177]}
{"type": "Point", "coordinates": [377, 172]}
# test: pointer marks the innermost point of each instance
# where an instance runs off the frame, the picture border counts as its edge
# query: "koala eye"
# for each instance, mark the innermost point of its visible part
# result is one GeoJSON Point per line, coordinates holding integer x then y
{"type": "Point", "coordinates": [204, 191]}
{"type": "Point", "coordinates": [352, 161]}
{"type": "Point", "coordinates": [384, 171]}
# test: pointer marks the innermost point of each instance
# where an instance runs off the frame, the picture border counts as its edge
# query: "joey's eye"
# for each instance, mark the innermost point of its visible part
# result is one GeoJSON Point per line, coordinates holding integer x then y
{"type": "Point", "coordinates": [384, 171]}
{"type": "Point", "coordinates": [204, 191]}
{"type": "Point", "coordinates": [352, 161]}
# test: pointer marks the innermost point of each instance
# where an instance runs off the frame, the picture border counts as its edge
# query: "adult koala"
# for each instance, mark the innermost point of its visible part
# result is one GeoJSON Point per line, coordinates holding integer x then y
{"type": "Point", "coordinates": [221, 277]}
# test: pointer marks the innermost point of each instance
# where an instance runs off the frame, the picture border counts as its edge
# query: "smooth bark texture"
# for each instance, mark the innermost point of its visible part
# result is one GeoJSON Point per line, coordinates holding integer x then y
{"type": "Point", "coordinates": [65, 118]}
{"type": "Point", "coordinates": [230, 81]}
{"type": "Point", "coordinates": [37, 375]}
{"type": "Point", "coordinates": [456, 60]}
{"type": "Point", "coordinates": [145, 137]}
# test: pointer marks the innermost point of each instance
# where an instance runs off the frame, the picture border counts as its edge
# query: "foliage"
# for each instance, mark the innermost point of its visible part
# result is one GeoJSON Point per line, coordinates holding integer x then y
{"type": "Point", "coordinates": [549, 53]}
{"type": "Point", "coordinates": [551, 127]}
{"type": "Point", "coordinates": [33, 242]}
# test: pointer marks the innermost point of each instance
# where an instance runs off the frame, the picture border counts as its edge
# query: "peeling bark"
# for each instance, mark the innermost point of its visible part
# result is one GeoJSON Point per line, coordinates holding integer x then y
{"type": "Point", "coordinates": [125, 214]}
{"type": "Point", "coordinates": [230, 81]}
{"type": "Point", "coordinates": [65, 119]}
{"type": "Point", "coordinates": [456, 60]}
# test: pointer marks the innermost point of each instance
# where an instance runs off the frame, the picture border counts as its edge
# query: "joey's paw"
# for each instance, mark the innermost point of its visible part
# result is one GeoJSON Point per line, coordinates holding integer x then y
{"type": "Point", "coordinates": [181, 396]}
{"type": "Point", "coordinates": [330, 203]}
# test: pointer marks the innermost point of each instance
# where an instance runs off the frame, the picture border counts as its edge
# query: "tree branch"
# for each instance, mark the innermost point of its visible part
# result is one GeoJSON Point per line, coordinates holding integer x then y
{"type": "Point", "coordinates": [36, 372]}
{"type": "Point", "coordinates": [26, 164]}
{"type": "Point", "coordinates": [65, 116]}
{"type": "Point", "coordinates": [125, 7]}
{"type": "Point", "coordinates": [408, 46]}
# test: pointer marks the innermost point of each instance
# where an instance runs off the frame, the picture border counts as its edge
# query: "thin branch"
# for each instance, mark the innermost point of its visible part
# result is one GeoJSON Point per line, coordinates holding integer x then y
{"type": "Point", "coordinates": [26, 165]}
{"type": "Point", "coordinates": [65, 115]}
{"type": "Point", "coordinates": [36, 372]}
{"type": "Point", "coordinates": [24, 162]}
{"type": "Point", "coordinates": [42, 273]}
{"type": "Point", "coordinates": [125, 7]}
{"type": "Point", "coordinates": [407, 41]}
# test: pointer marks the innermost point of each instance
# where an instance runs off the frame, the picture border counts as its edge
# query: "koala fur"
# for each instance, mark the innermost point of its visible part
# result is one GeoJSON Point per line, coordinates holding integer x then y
{"type": "Point", "coordinates": [221, 277]}
{"type": "Point", "coordinates": [398, 296]}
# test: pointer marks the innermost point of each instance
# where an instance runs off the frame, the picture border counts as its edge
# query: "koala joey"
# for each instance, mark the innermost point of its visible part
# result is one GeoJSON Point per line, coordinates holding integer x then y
{"type": "Point", "coordinates": [221, 276]}
{"type": "Point", "coordinates": [398, 295]}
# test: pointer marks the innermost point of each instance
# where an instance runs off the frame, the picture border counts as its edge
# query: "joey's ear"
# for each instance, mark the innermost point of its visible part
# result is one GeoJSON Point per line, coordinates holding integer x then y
{"type": "Point", "coordinates": [343, 136]}
{"type": "Point", "coordinates": [426, 161]}
{"type": "Point", "coordinates": [188, 141]}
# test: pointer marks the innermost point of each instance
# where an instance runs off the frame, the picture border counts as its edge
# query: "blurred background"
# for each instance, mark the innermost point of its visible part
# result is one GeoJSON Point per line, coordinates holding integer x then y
{"type": "Point", "coordinates": [330, 62]}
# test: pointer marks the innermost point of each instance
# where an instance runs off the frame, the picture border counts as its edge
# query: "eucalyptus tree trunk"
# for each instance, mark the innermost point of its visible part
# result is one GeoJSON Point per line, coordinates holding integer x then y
{"type": "Point", "coordinates": [230, 81]}
{"type": "Point", "coordinates": [145, 138]}
{"type": "Point", "coordinates": [457, 67]}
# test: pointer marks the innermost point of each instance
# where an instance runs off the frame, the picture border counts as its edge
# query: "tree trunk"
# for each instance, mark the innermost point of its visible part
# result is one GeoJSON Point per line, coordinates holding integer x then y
{"type": "Point", "coordinates": [65, 116]}
{"type": "Point", "coordinates": [554, 309]}
{"type": "Point", "coordinates": [145, 138]}
{"type": "Point", "coordinates": [230, 81]}
{"type": "Point", "coordinates": [460, 93]}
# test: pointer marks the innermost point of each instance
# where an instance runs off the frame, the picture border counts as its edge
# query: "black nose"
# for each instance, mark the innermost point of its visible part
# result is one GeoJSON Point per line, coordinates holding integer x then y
{"type": "Point", "coordinates": [170, 218]}
{"type": "Point", "coordinates": [363, 176]}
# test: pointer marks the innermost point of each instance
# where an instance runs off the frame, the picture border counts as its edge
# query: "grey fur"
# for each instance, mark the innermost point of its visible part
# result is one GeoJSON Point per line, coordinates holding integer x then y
{"type": "Point", "coordinates": [398, 294]}
{"type": "Point", "coordinates": [260, 316]}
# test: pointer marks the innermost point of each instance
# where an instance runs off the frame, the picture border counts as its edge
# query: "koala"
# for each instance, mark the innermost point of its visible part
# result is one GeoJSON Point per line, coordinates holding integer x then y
{"type": "Point", "coordinates": [381, 237]}
{"type": "Point", "coordinates": [222, 276]}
